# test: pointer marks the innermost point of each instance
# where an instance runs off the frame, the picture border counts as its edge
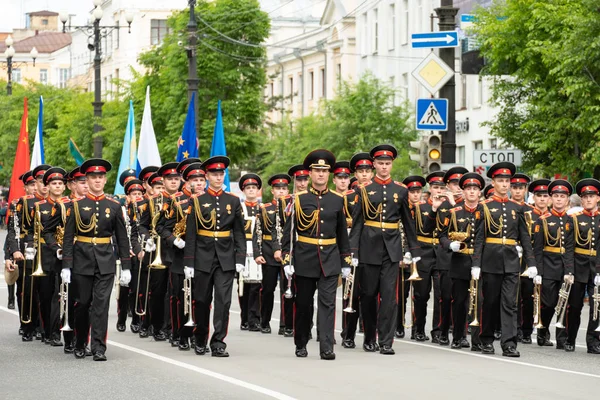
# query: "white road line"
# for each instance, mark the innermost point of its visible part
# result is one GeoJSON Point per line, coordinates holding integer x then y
{"type": "Point", "coordinates": [225, 378]}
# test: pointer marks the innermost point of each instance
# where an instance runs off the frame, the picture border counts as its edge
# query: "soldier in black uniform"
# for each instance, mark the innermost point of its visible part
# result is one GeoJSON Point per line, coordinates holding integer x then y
{"type": "Point", "coordinates": [249, 295]}
{"type": "Point", "coordinates": [458, 236]}
{"type": "Point", "coordinates": [586, 232]}
{"type": "Point", "coordinates": [376, 237]}
{"type": "Point", "coordinates": [215, 250]}
{"type": "Point", "coordinates": [88, 252]}
{"type": "Point", "coordinates": [442, 284]}
{"type": "Point", "coordinates": [145, 175]}
{"type": "Point", "coordinates": [496, 255]}
{"type": "Point", "coordinates": [317, 254]}
{"type": "Point", "coordinates": [488, 191]}
{"type": "Point", "coordinates": [266, 240]}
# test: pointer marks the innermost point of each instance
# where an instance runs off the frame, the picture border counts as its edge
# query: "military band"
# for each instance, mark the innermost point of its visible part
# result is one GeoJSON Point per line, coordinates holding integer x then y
{"type": "Point", "coordinates": [496, 265]}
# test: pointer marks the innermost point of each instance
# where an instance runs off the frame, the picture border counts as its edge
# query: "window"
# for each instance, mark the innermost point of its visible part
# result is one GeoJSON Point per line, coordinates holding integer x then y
{"type": "Point", "coordinates": [63, 77]}
{"type": "Point", "coordinates": [311, 82]}
{"type": "Point", "coordinates": [158, 31]}
{"type": "Point", "coordinates": [16, 75]}
{"type": "Point", "coordinates": [392, 28]}
{"type": "Point", "coordinates": [375, 31]}
{"type": "Point", "coordinates": [493, 143]}
{"type": "Point", "coordinates": [478, 145]}
{"type": "Point", "coordinates": [323, 83]}
{"type": "Point", "coordinates": [43, 76]}
{"type": "Point", "coordinates": [365, 27]}
{"type": "Point", "coordinates": [404, 22]}
{"type": "Point", "coordinates": [44, 22]}
{"type": "Point", "coordinates": [461, 155]}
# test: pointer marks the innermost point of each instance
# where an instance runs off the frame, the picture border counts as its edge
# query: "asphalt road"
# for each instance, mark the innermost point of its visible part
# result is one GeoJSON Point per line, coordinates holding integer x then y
{"type": "Point", "coordinates": [264, 366]}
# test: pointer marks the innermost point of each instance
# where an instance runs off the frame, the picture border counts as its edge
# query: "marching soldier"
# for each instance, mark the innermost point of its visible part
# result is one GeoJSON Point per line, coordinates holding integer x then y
{"type": "Point", "coordinates": [88, 253]}
{"type": "Point", "coordinates": [266, 240]}
{"type": "Point", "coordinates": [144, 176]}
{"type": "Point", "coordinates": [488, 191]}
{"type": "Point", "coordinates": [458, 236]}
{"type": "Point", "coordinates": [216, 249]}
{"type": "Point", "coordinates": [250, 293]}
{"type": "Point", "coordinates": [496, 255]}
{"type": "Point", "coordinates": [376, 240]}
{"type": "Point", "coordinates": [442, 284]}
{"type": "Point", "coordinates": [585, 231]}
{"type": "Point", "coordinates": [553, 247]}
{"type": "Point", "coordinates": [318, 254]}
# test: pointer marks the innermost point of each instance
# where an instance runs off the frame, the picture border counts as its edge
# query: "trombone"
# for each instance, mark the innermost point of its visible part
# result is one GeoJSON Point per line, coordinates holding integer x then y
{"type": "Point", "coordinates": [64, 306]}
{"type": "Point", "coordinates": [137, 294]}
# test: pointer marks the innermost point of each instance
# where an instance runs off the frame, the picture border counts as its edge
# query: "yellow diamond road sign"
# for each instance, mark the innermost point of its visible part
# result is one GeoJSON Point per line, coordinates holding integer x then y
{"type": "Point", "coordinates": [433, 73]}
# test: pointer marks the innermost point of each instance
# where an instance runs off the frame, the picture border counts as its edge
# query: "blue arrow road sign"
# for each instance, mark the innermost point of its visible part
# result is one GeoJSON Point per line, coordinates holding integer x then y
{"type": "Point", "coordinates": [434, 39]}
{"type": "Point", "coordinates": [432, 114]}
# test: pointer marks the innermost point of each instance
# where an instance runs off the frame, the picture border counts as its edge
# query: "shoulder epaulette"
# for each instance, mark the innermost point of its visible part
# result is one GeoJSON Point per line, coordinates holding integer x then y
{"type": "Point", "coordinates": [301, 193]}
{"type": "Point", "coordinates": [113, 200]}
{"type": "Point", "coordinates": [546, 215]}
{"type": "Point", "coordinates": [487, 201]}
{"type": "Point", "coordinates": [65, 199]}
{"type": "Point", "coordinates": [578, 213]}
{"type": "Point", "coordinates": [400, 184]}
{"type": "Point", "coordinates": [516, 202]}
{"type": "Point", "coordinates": [42, 202]}
{"type": "Point", "coordinates": [29, 196]}
{"type": "Point", "coordinates": [422, 202]}
{"type": "Point", "coordinates": [178, 194]}
{"type": "Point", "coordinates": [455, 209]}
{"type": "Point", "coordinates": [349, 191]}
{"type": "Point", "coordinates": [336, 193]}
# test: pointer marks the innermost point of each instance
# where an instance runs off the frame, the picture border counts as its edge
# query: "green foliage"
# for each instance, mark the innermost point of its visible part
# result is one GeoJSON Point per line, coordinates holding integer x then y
{"type": "Point", "coordinates": [550, 105]}
{"type": "Point", "coordinates": [362, 116]}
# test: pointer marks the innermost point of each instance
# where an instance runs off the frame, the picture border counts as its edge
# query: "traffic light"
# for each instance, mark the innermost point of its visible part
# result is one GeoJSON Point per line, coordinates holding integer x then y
{"type": "Point", "coordinates": [419, 152]}
{"type": "Point", "coordinates": [434, 153]}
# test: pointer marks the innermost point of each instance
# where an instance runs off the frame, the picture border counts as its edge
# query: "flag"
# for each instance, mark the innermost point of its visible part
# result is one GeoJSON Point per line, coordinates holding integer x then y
{"type": "Point", "coordinates": [74, 150]}
{"type": "Point", "coordinates": [148, 149]}
{"type": "Point", "coordinates": [128, 153]}
{"type": "Point", "coordinates": [187, 145]}
{"type": "Point", "coordinates": [218, 145]}
{"type": "Point", "coordinates": [38, 158]}
{"type": "Point", "coordinates": [21, 164]}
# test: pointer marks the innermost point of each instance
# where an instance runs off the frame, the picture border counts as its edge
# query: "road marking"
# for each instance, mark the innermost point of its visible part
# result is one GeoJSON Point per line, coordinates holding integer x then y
{"type": "Point", "coordinates": [203, 371]}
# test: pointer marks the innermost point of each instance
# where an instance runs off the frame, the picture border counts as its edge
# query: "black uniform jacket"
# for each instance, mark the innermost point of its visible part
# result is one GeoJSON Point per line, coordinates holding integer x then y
{"type": "Point", "coordinates": [268, 232]}
{"type": "Point", "coordinates": [176, 215]}
{"type": "Point", "coordinates": [553, 245]}
{"type": "Point", "coordinates": [424, 219]}
{"type": "Point", "coordinates": [586, 229]}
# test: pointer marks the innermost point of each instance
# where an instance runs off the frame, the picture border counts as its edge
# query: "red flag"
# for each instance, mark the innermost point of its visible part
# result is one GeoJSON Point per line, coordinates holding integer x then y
{"type": "Point", "coordinates": [22, 160]}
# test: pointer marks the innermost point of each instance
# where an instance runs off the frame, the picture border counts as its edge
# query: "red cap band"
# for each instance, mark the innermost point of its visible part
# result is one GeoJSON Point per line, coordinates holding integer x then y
{"type": "Point", "coordinates": [518, 180]}
{"type": "Point", "coordinates": [341, 171]}
{"type": "Point", "coordinates": [560, 188]}
{"type": "Point", "coordinates": [540, 188]}
{"type": "Point", "coordinates": [56, 175]}
{"type": "Point", "coordinates": [589, 189]}
{"type": "Point", "coordinates": [170, 171]}
{"type": "Point", "coordinates": [362, 163]}
{"type": "Point", "coordinates": [196, 172]}
{"type": "Point", "coordinates": [135, 187]}
{"type": "Point", "coordinates": [215, 166]}
{"type": "Point", "coordinates": [281, 181]}
{"type": "Point", "coordinates": [502, 171]}
{"type": "Point", "coordinates": [414, 184]}
{"type": "Point", "coordinates": [384, 153]}
{"type": "Point", "coordinates": [147, 175]}
{"type": "Point", "coordinates": [436, 179]}
{"type": "Point", "coordinates": [302, 172]}
{"type": "Point", "coordinates": [29, 179]}
{"type": "Point", "coordinates": [454, 177]}
{"type": "Point", "coordinates": [158, 178]}
{"type": "Point", "coordinates": [129, 178]}
{"type": "Point", "coordinates": [95, 169]}
{"type": "Point", "coordinates": [40, 172]}
{"type": "Point", "coordinates": [250, 182]}
{"type": "Point", "coordinates": [472, 181]}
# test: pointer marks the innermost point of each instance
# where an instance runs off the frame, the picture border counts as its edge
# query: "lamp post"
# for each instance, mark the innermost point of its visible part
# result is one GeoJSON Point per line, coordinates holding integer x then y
{"type": "Point", "coordinates": [9, 53]}
{"type": "Point", "coordinates": [95, 33]}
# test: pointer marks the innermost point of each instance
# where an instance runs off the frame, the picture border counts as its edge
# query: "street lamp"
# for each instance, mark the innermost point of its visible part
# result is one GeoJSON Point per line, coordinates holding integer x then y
{"type": "Point", "coordinates": [96, 32]}
{"type": "Point", "coordinates": [9, 53]}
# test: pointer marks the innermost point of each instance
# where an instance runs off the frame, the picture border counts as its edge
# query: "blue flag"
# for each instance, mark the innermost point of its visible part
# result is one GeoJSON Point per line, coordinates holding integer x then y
{"type": "Point", "coordinates": [218, 145]}
{"type": "Point", "coordinates": [187, 145]}
{"type": "Point", "coordinates": [129, 152]}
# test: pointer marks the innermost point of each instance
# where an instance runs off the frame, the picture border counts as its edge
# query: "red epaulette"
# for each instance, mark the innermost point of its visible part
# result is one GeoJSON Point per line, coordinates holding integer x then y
{"type": "Point", "coordinates": [65, 199]}
{"type": "Point", "coordinates": [487, 200]}
{"type": "Point", "coordinates": [113, 200]}
{"type": "Point", "coordinates": [42, 201]}
{"type": "Point", "coordinates": [400, 184]}
{"type": "Point", "coordinates": [29, 196]}
{"type": "Point", "coordinates": [578, 213]}
{"type": "Point", "coordinates": [422, 202]}
{"type": "Point", "coordinates": [455, 209]}
{"type": "Point", "coordinates": [516, 202]}
{"type": "Point", "coordinates": [349, 191]}
{"type": "Point", "coordinates": [178, 194]}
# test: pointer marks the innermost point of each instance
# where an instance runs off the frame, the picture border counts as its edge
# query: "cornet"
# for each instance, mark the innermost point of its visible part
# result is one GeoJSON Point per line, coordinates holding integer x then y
{"type": "Point", "coordinates": [64, 306]}
{"type": "Point", "coordinates": [537, 306]}
{"type": "Point", "coordinates": [187, 301]}
{"type": "Point", "coordinates": [349, 290]}
{"type": "Point", "coordinates": [561, 306]}
{"type": "Point", "coordinates": [473, 290]}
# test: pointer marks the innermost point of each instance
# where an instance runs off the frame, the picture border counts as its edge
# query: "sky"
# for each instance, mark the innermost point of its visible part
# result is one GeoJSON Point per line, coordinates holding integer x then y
{"type": "Point", "coordinates": [13, 11]}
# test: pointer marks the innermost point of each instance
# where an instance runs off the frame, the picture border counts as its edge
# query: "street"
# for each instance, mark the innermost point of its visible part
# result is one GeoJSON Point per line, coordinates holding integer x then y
{"type": "Point", "coordinates": [264, 366]}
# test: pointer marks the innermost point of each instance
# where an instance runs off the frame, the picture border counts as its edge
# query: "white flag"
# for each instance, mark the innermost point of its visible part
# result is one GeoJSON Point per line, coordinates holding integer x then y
{"type": "Point", "coordinates": [37, 156]}
{"type": "Point", "coordinates": [148, 154]}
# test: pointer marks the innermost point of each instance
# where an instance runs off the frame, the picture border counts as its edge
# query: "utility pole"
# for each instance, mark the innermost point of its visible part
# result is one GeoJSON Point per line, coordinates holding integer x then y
{"type": "Point", "coordinates": [192, 28]}
{"type": "Point", "coordinates": [447, 22]}
{"type": "Point", "coordinates": [98, 141]}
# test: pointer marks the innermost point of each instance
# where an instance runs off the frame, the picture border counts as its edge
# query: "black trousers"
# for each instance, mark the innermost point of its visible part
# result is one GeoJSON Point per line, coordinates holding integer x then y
{"type": "Point", "coordinates": [11, 292]}
{"type": "Point", "coordinates": [156, 301]}
{"type": "Point", "coordinates": [250, 303]}
{"type": "Point", "coordinates": [350, 319]}
{"type": "Point", "coordinates": [403, 296]}
{"type": "Point", "coordinates": [305, 293]}
{"type": "Point", "coordinates": [142, 302]}
{"type": "Point", "coordinates": [525, 306]}
{"type": "Point", "coordinates": [378, 292]}
{"type": "Point", "coordinates": [550, 289]}
{"type": "Point", "coordinates": [442, 302]}
{"type": "Point", "coordinates": [422, 290]}
{"type": "Point", "coordinates": [47, 291]}
{"type": "Point", "coordinates": [573, 317]}
{"type": "Point", "coordinates": [176, 307]}
{"type": "Point", "coordinates": [270, 274]}
{"type": "Point", "coordinates": [286, 311]}
{"type": "Point", "coordinates": [221, 282]}
{"type": "Point", "coordinates": [499, 292]}
{"type": "Point", "coordinates": [92, 301]}
{"type": "Point", "coordinates": [27, 299]}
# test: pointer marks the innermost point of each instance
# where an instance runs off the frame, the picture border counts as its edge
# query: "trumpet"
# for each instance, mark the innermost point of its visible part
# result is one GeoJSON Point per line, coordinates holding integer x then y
{"type": "Point", "coordinates": [157, 263]}
{"type": "Point", "coordinates": [473, 290]}
{"type": "Point", "coordinates": [37, 242]}
{"type": "Point", "coordinates": [64, 306]}
{"type": "Point", "coordinates": [561, 306]}
{"type": "Point", "coordinates": [349, 290]}
{"type": "Point", "coordinates": [537, 307]}
{"type": "Point", "coordinates": [596, 299]}
{"type": "Point", "coordinates": [187, 301]}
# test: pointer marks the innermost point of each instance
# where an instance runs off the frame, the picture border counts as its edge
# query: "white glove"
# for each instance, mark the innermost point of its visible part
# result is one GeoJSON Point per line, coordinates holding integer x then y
{"type": "Point", "coordinates": [150, 246]}
{"type": "Point", "coordinates": [59, 254]}
{"type": "Point", "coordinates": [519, 251]}
{"type": "Point", "coordinates": [125, 277]}
{"type": "Point", "coordinates": [597, 280]}
{"type": "Point", "coordinates": [289, 271]}
{"type": "Point", "coordinates": [532, 272]}
{"type": "Point", "coordinates": [239, 268]}
{"type": "Point", "coordinates": [407, 258]}
{"type": "Point", "coordinates": [475, 273]}
{"type": "Point", "coordinates": [416, 259]}
{"type": "Point", "coordinates": [345, 272]}
{"type": "Point", "coordinates": [30, 253]}
{"type": "Point", "coordinates": [65, 275]}
{"type": "Point", "coordinates": [455, 246]}
{"type": "Point", "coordinates": [355, 262]}
{"type": "Point", "coordinates": [188, 272]}
{"type": "Point", "coordinates": [537, 280]}
{"type": "Point", "coordinates": [179, 243]}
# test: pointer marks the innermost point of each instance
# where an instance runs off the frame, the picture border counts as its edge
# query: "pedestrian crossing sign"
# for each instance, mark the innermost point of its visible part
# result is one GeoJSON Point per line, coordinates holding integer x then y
{"type": "Point", "coordinates": [432, 114]}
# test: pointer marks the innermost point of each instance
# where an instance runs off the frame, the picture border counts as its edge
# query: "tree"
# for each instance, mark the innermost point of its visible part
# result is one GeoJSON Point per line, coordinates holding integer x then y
{"type": "Point", "coordinates": [231, 68]}
{"type": "Point", "coordinates": [361, 116]}
{"type": "Point", "coordinates": [549, 105]}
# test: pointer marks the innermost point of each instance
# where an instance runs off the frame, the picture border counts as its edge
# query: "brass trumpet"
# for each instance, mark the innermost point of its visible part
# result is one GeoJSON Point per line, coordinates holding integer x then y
{"type": "Point", "coordinates": [157, 263]}
{"type": "Point", "coordinates": [64, 306]}
{"type": "Point", "coordinates": [349, 291]}
{"type": "Point", "coordinates": [473, 290]}
{"type": "Point", "coordinates": [537, 306]}
{"type": "Point", "coordinates": [561, 306]}
{"type": "Point", "coordinates": [187, 301]}
{"type": "Point", "coordinates": [457, 236]}
{"type": "Point", "coordinates": [596, 313]}
{"type": "Point", "coordinates": [37, 239]}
